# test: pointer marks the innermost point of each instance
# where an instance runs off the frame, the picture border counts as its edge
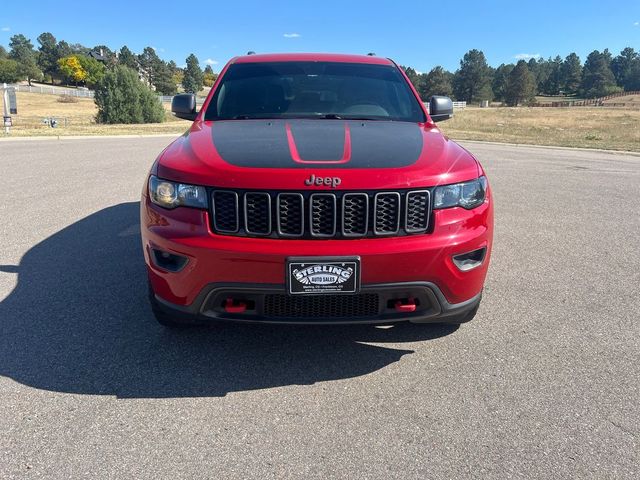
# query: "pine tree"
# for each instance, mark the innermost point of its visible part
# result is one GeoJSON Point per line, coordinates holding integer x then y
{"type": "Point", "coordinates": [553, 83]}
{"type": "Point", "coordinates": [521, 85]}
{"type": "Point", "coordinates": [597, 77]}
{"type": "Point", "coordinates": [48, 54]}
{"type": "Point", "coordinates": [193, 77]}
{"type": "Point", "coordinates": [23, 53]}
{"type": "Point", "coordinates": [164, 80]}
{"type": "Point", "coordinates": [472, 81]}
{"type": "Point", "coordinates": [499, 83]}
{"type": "Point", "coordinates": [413, 75]}
{"type": "Point", "coordinates": [623, 67]}
{"type": "Point", "coordinates": [437, 82]}
{"type": "Point", "coordinates": [571, 74]}
{"type": "Point", "coordinates": [127, 58]}
{"type": "Point", "coordinates": [149, 64]}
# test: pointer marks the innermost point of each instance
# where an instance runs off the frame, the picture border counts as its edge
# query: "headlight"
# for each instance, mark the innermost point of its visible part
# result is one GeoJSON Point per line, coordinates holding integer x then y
{"type": "Point", "coordinates": [171, 194]}
{"type": "Point", "coordinates": [466, 195]}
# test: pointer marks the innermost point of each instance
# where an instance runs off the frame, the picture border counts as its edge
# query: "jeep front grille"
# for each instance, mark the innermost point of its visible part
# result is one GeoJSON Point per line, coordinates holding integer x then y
{"type": "Point", "coordinates": [320, 215]}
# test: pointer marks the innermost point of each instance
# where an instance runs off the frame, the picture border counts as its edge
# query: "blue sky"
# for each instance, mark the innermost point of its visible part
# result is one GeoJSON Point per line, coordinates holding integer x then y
{"type": "Point", "coordinates": [411, 32]}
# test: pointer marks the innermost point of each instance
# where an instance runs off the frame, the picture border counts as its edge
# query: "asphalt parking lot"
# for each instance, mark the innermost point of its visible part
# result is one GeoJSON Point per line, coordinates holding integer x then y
{"type": "Point", "coordinates": [544, 383]}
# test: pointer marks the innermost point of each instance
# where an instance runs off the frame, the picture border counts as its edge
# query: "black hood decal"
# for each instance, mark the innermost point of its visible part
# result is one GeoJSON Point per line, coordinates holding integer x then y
{"type": "Point", "coordinates": [317, 143]}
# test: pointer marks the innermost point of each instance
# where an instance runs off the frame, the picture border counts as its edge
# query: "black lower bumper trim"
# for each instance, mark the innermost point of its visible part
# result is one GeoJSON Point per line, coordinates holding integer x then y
{"type": "Point", "coordinates": [374, 304]}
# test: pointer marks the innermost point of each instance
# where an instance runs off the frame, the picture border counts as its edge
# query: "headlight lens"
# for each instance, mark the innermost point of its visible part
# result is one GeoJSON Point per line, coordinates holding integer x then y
{"type": "Point", "coordinates": [171, 194]}
{"type": "Point", "coordinates": [466, 195]}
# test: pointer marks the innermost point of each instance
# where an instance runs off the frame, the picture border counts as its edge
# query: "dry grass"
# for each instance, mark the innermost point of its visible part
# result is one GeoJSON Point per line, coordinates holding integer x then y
{"type": "Point", "coordinates": [77, 119]}
{"type": "Point", "coordinates": [598, 127]}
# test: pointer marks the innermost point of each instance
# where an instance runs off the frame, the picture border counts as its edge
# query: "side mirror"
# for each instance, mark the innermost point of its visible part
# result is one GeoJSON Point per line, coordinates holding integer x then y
{"type": "Point", "coordinates": [440, 108]}
{"type": "Point", "coordinates": [184, 106]}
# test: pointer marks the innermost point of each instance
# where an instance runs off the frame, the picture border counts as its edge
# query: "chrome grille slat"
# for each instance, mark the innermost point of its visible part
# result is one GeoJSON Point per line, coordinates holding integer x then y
{"type": "Point", "coordinates": [320, 214]}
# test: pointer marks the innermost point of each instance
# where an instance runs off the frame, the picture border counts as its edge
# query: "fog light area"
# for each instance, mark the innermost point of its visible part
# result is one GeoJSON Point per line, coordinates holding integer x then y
{"type": "Point", "coordinates": [470, 260]}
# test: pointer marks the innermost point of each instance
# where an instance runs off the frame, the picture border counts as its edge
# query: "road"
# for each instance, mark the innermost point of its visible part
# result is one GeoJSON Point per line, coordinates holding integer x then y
{"type": "Point", "coordinates": [544, 383]}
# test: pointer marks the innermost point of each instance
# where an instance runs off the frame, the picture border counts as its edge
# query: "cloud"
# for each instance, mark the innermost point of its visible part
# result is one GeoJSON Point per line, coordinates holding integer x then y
{"type": "Point", "coordinates": [526, 56]}
{"type": "Point", "coordinates": [211, 61]}
{"type": "Point", "coordinates": [157, 49]}
{"type": "Point", "coordinates": [635, 24]}
{"type": "Point", "coordinates": [5, 29]}
{"type": "Point", "coordinates": [291, 35]}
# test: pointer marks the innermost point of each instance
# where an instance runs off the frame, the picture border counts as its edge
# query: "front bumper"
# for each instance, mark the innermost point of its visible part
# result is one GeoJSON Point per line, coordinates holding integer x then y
{"type": "Point", "coordinates": [421, 263]}
{"type": "Point", "coordinates": [269, 304]}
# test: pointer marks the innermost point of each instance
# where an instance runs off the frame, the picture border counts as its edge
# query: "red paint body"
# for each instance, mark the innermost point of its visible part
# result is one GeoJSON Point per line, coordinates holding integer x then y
{"type": "Point", "coordinates": [214, 258]}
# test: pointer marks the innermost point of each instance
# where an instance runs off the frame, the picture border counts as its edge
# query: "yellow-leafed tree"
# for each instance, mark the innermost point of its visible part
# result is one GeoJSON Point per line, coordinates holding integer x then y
{"type": "Point", "coordinates": [72, 69]}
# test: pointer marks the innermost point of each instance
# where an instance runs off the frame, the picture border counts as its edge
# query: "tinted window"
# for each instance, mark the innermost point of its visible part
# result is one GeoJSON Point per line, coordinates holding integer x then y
{"type": "Point", "coordinates": [314, 89]}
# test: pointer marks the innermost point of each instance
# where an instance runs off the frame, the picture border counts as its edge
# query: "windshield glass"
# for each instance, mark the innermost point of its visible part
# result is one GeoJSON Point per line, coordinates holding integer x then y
{"type": "Point", "coordinates": [314, 90]}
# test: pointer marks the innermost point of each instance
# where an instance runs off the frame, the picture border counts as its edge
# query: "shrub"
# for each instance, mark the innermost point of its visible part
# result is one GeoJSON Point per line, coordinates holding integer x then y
{"type": "Point", "coordinates": [67, 99]}
{"type": "Point", "coordinates": [122, 98]}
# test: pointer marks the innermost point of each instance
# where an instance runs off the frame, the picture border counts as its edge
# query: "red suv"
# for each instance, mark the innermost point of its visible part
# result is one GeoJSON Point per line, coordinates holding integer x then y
{"type": "Point", "coordinates": [315, 188]}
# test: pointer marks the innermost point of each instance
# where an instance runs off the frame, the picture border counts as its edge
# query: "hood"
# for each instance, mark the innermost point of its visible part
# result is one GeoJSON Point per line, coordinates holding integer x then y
{"type": "Point", "coordinates": [282, 154]}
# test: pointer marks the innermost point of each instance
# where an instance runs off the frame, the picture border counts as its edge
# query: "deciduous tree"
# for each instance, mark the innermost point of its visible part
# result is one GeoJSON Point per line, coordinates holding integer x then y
{"type": "Point", "coordinates": [71, 68]}
{"type": "Point", "coordinates": [8, 71]}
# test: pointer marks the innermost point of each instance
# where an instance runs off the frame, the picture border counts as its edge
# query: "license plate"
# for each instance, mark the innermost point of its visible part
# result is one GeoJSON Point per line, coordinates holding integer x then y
{"type": "Point", "coordinates": [323, 275]}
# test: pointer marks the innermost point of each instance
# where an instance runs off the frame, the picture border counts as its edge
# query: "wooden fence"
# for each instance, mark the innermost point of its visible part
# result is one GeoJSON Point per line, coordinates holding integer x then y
{"type": "Point", "coordinates": [591, 102]}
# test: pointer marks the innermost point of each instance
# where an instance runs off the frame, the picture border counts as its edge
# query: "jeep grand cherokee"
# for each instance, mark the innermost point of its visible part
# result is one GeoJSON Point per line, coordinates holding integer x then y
{"type": "Point", "coordinates": [315, 188]}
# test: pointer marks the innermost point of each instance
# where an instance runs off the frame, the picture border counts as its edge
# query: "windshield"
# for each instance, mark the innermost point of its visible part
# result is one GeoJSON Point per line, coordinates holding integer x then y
{"type": "Point", "coordinates": [314, 90]}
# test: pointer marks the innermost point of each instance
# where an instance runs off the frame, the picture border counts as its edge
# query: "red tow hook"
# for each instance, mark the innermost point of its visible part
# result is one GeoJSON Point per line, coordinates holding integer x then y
{"type": "Point", "coordinates": [408, 307]}
{"type": "Point", "coordinates": [229, 306]}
